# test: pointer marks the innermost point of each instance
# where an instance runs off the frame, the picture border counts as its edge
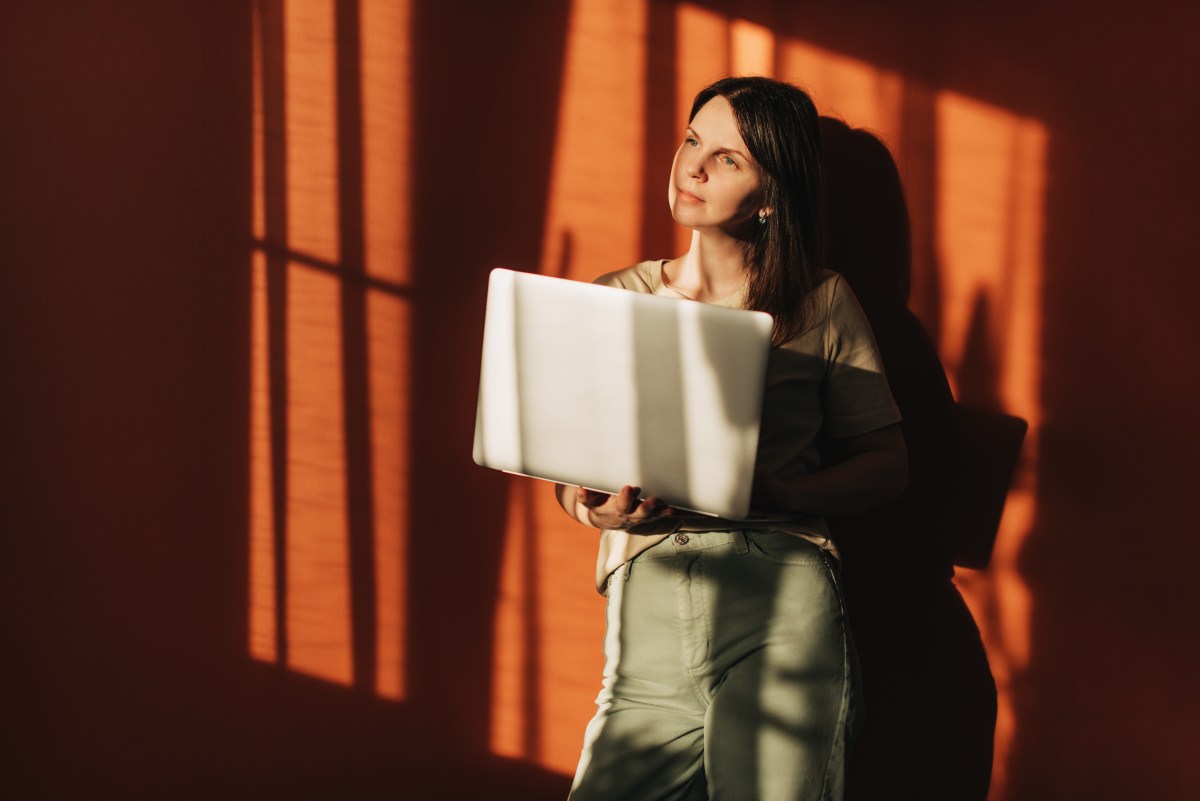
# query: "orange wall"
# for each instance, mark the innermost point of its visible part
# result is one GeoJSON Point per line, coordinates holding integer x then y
{"type": "Point", "coordinates": [243, 259]}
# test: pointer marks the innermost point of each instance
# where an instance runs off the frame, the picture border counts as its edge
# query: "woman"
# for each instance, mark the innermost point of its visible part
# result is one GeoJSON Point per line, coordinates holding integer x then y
{"type": "Point", "coordinates": [729, 671]}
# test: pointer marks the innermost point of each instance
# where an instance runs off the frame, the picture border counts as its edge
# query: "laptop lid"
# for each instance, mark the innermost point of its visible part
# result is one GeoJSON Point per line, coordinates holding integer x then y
{"type": "Point", "coordinates": [601, 387]}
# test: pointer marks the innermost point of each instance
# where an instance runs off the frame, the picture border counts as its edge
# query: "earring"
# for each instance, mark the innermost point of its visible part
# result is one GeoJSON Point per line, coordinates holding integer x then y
{"type": "Point", "coordinates": [762, 218]}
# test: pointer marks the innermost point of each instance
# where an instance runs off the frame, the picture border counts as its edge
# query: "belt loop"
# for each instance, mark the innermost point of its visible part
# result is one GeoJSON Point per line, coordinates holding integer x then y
{"type": "Point", "coordinates": [740, 544]}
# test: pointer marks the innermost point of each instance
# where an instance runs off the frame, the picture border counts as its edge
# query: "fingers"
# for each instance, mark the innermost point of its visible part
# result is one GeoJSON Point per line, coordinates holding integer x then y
{"type": "Point", "coordinates": [627, 499]}
{"type": "Point", "coordinates": [640, 511]}
{"type": "Point", "coordinates": [652, 508]}
{"type": "Point", "coordinates": [591, 498]}
{"type": "Point", "coordinates": [621, 510]}
{"type": "Point", "coordinates": [624, 502]}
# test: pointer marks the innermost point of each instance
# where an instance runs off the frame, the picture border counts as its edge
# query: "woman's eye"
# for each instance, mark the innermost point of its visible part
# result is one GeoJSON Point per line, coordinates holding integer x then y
{"type": "Point", "coordinates": [691, 140]}
{"type": "Point", "coordinates": [729, 161]}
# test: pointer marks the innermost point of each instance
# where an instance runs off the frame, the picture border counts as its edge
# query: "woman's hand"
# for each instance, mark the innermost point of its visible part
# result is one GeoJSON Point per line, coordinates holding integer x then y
{"type": "Point", "coordinates": [602, 510]}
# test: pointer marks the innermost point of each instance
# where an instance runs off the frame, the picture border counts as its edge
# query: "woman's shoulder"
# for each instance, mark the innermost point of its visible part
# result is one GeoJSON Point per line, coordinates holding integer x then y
{"type": "Point", "coordinates": [829, 303]}
{"type": "Point", "coordinates": [645, 277]}
{"type": "Point", "coordinates": [834, 297]}
{"type": "Point", "coordinates": [823, 297]}
{"type": "Point", "coordinates": [829, 283]}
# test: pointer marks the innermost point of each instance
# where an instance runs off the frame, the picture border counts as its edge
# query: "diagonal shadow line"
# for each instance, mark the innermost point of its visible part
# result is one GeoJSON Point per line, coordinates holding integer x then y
{"type": "Point", "coordinates": [351, 273]}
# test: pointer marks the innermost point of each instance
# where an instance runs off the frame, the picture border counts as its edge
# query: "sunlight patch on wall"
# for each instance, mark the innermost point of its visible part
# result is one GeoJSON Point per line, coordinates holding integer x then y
{"type": "Point", "coordinates": [310, 98]}
{"type": "Point", "coordinates": [263, 632]}
{"type": "Point", "coordinates": [990, 218]}
{"type": "Point", "coordinates": [384, 31]}
{"type": "Point", "coordinates": [597, 161]}
{"type": "Point", "coordinates": [388, 332]}
{"type": "Point", "coordinates": [549, 626]}
{"type": "Point", "coordinates": [300, 613]}
{"type": "Point", "coordinates": [702, 44]}
{"type": "Point", "coordinates": [893, 109]}
{"type": "Point", "coordinates": [751, 49]}
{"type": "Point", "coordinates": [318, 570]}
{"type": "Point", "coordinates": [387, 121]}
{"type": "Point", "coordinates": [858, 93]}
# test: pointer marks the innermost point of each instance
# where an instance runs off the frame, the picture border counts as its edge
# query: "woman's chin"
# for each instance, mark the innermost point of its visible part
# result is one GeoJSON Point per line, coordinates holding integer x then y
{"type": "Point", "coordinates": [687, 217]}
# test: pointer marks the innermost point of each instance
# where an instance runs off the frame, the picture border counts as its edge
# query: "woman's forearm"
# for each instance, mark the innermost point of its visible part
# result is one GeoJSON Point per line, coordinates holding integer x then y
{"type": "Point", "coordinates": [873, 470]}
{"type": "Point", "coordinates": [853, 486]}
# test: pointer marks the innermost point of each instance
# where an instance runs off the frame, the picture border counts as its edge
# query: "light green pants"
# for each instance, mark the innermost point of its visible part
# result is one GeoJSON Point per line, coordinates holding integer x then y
{"type": "Point", "coordinates": [729, 674]}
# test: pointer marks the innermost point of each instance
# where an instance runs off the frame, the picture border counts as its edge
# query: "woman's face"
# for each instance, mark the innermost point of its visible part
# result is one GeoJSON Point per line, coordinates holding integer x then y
{"type": "Point", "coordinates": [714, 181]}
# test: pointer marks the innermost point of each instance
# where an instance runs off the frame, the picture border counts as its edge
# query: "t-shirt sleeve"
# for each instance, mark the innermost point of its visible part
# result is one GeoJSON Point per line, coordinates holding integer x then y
{"type": "Point", "coordinates": [856, 394]}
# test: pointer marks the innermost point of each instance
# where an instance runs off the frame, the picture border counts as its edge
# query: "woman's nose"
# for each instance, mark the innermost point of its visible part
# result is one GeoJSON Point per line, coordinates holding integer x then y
{"type": "Point", "coordinates": [695, 169]}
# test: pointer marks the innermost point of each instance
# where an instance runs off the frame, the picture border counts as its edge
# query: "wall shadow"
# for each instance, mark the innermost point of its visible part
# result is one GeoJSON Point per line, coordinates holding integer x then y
{"type": "Point", "coordinates": [930, 697]}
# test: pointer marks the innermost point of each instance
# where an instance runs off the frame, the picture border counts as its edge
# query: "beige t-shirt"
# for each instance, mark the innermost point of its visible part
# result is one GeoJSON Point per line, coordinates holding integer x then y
{"type": "Point", "coordinates": [827, 381]}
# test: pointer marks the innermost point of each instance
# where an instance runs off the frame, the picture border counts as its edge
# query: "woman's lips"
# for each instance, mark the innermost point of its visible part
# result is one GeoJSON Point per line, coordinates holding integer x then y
{"type": "Point", "coordinates": [688, 196]}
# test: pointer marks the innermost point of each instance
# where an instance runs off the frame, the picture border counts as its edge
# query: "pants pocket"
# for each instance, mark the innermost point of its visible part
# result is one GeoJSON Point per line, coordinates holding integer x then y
{"type": "Point", "coordinates": [781, 548]}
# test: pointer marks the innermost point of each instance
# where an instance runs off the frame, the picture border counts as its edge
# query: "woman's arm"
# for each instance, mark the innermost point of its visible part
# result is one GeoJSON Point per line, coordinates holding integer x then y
{"type": "Point", "coordinates": [601, 510]}
{"type": "Point", "coordinates": [865, 471]}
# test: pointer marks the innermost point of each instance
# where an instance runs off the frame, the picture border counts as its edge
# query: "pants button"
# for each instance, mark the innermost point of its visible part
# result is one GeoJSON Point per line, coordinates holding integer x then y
{"type": "Point", "coordinates": [681, 538]}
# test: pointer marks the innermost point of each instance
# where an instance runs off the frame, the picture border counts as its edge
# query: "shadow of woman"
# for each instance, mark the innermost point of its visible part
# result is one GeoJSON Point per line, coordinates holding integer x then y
{"type": "Point", "coordinates": [929, 693]}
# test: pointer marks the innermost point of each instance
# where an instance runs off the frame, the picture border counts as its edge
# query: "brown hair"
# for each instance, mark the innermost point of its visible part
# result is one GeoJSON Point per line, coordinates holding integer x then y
{"type": "Point", "coordinates": [778, 122]}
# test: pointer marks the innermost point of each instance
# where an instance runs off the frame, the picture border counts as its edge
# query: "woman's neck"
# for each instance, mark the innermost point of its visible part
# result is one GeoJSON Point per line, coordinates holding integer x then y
{"type": "Point", "coordinates": [712, 268]}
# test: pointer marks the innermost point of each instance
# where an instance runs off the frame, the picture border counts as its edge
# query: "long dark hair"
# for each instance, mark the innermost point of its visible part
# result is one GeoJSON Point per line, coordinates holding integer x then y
{"type": "Point", "coordinates": [778, 122]}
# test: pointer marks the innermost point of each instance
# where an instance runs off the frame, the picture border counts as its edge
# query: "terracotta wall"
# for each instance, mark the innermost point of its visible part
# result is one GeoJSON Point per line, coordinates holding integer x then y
{"type": "Point", "coordinates": [213, 337]}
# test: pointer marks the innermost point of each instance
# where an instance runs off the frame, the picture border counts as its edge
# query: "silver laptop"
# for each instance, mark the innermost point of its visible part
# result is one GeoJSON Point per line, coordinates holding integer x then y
{"type": "Point", "coordinates": [602, 387]}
